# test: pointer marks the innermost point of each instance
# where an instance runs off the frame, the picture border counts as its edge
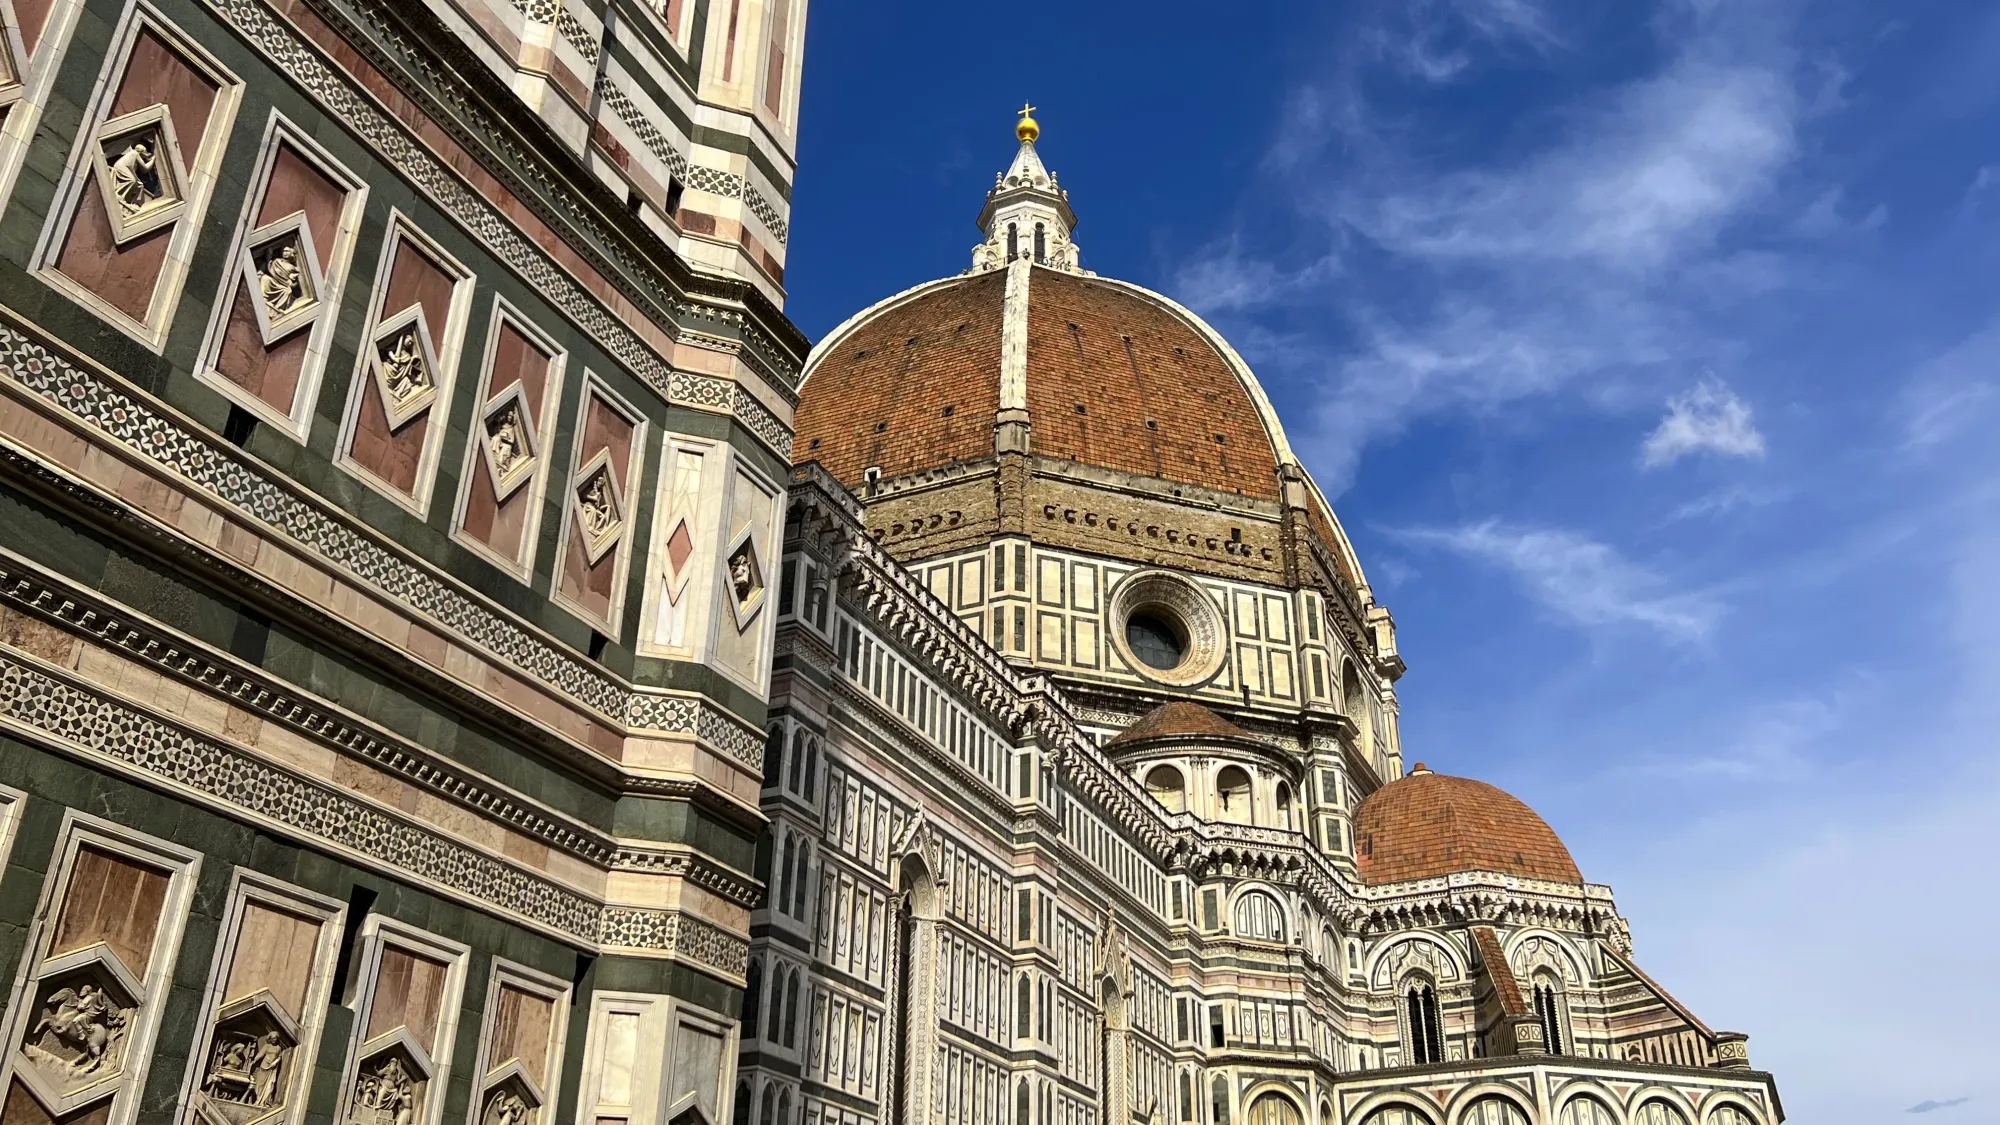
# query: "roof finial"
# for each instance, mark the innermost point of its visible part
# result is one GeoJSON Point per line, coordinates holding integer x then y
{"type": "Point", "coordinates": [1028, 129]}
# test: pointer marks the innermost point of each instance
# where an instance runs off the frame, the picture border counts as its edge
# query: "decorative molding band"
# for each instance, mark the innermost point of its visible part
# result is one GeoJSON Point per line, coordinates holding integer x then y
{"type": "Point", "coordinates": [233, 480]}
{"type": "Point", "coordinates": [399, 148]}
{"type": "Point", "coordinates": [100, 728]}
{"type": "Point", "coordinates": [103, 728]}
{"type": "Point", "coordinates": [693, 866]}
{"type": "Point", "coordinates": [682, 935]}
{"type": "Point", "coordinates": [35, 592]}
{"type": "Point", "coordinates": [728, 185]}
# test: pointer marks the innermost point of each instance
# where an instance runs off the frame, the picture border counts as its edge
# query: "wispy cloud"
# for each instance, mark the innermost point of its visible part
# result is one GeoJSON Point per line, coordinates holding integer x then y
{"type": "Point", "coordinates": [1708, 419]}
{"type": "Point", "coordinates": [1577, 579]}
{"type": "Point", "coordinates": [1476, 277]}
{"type": "Point", "coordinates": [1931, 1106]}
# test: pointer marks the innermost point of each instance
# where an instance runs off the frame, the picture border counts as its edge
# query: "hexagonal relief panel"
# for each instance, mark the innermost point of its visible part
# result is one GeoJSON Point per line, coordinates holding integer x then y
{"type": "Point", "coordinates": [248, 1073]}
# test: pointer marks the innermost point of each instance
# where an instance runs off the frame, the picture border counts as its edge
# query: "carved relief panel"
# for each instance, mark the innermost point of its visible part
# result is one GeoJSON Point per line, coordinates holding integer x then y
{"type": "Point", "coordinates": [92, 986]}
{"type": "Point", "coordinates": [130, 205]}
{"type": "Point", "coordinates": [751, 531]}
{"type": "Point", "coordinates": [405, 362]}
{"type": "Point", "coordinates": [597, 512]}
{"type": "Point", "coordinates": [501, 488]}
{"type": "Point", "coordinates": [265, 1006]}
{"type": "Point", "coordinates": [273, 321]}
{"type": "Point", "coordinates": [520, 1047]}
{"type": "Point", "coordinates": [406, 1023]}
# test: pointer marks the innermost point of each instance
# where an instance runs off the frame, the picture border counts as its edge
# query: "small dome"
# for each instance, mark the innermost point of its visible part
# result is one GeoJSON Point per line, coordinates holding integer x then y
{"type": "Point", "coordinates": [1177, 719]}
{"type": "Point", "coordinates": [1429, 824]}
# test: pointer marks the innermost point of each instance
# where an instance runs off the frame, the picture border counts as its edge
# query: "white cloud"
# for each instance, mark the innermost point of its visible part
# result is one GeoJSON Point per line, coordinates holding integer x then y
{"type": "Point", "coordinates": [1708, 419]}
{"type": "Point", "coordinates": [1578, 579]}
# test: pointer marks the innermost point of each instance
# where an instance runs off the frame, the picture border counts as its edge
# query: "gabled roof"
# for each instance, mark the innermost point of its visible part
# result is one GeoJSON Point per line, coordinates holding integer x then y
{"type": "Point", "coordinates": [1494, 960]}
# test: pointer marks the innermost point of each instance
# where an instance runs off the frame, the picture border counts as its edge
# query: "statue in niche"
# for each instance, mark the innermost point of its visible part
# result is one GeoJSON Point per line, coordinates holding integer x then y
{"type": "Point", "coordinates": [507, 440]}
{"type": "Point", "coordinates": [77, 1030]}
{"type": "Point", "coordinates": [135, 177]}
{"type": "Point", "coordinates": [385, 1095]}
{"type": "Point", "coordinates": [281, 281]}
{"type": "Point", "coordinates": [403, 364]}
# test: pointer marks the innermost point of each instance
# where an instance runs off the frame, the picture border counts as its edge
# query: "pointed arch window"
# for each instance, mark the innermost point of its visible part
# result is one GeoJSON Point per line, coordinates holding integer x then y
{"type": "Point", "coordinates": [1548, 1010]}
{"type": "Point", "coordinates": [753, 981]}
{"type": "Point", "coordinates": [1426, 1039]}
{"type": "Point", "coordinates": [1041, 244]}
{"type": "Point", "coordinates": [1284, 806]}
{"type": "Point", "coordinates": [1013, 241]}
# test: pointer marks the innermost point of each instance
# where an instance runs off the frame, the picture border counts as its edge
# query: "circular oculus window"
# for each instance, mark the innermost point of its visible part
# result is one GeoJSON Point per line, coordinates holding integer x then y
{"type": "Point", "coordinates": [1166, 628]}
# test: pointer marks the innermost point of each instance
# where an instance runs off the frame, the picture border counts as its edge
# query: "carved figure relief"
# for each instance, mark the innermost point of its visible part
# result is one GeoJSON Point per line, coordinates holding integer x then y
{"type": "Point", "coordinates": [510, 446]}
{"type": "Point", "coordinates": [135, 177]}
{"type": "Point", "coordinates": [280, 278]}
{"type": "Point", "coordinates": [79, 1032]}
{"type": "Point", "coordinates": [405, 365]}
{"type": "Point", "coordinates": [139, 173]}
{"type": "Point", "coordinates": [385, 1093]}
{"type": "Point", "coordinates": [244, 1069]}
{"type": "Point", "coordinates": [744, 581]}
{"type": "Point", "coordinates": [506, 1107]}
{"type": "Point", "coordinates": [599, 510]}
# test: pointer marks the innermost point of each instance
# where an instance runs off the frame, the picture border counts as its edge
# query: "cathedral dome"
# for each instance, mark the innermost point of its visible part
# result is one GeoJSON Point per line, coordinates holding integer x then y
{"type": "Point", "coordinates": [1429, 824]}
{"type": "Point", "coordinates": [1112, 376]}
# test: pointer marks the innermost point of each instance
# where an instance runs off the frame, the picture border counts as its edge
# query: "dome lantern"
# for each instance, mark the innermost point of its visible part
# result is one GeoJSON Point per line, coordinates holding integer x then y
{"type": "Point", "coordinates": [1027, 216]}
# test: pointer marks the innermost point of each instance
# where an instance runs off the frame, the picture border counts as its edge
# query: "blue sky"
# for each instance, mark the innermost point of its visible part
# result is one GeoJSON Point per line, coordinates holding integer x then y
{"type": "Point", "coordinates": [1652, 354]}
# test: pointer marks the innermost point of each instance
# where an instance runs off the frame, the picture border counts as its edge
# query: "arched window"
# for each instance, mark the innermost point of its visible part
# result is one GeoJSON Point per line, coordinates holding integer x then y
{"type": "Point", "coordinates": [784, 1108]}
{"type": "Point", "coordinates": [740, 1113]}
{"type": "Point", "coordinates": [1024, 1025]}
{"type": "Point", "coordinates": [791, 1027]}
{"type": "Point", "coordinates": [1041, 244]}
{"type": "Point", "coordinates": [1259, 917]}
{"type": "Point", "coordinates": [1396, 1115]}
{"type": "Point", "coordinates": [1659, 1112]}
{"type": "Point", "coordinates": [798, 762]}
{"type": "Point", "coordinates": [1274, 1109]}
{"type": "Point", "coordinates": [789, 870]}
{"type": "Point", "coordinates": [1167, 787]}
{"type": "Point", "coordinates": [1727, 1114]}
{"type": "Point", "coordinates": [1425, 1040]}
{"type": "Point", "coordinates": [1284, 805]}
{"type": "Point", "coordinates": [1013, 241]}
{"type": "Point", "coordinates": [1187, 1097]}
{"type": "Point", "coordinates": [1021, 1102]}
{"type": "Point", "coordinates": [1549, 1012]}
{"type": "Point", "coordinates": [1232, 795]}
{"type": "Point", "coordinates": [769, 1116]}
{"type": "Point", "coordinates": [1326, 1114]}
{"type": "Point", "coordinates": [1586, 1110]}
{"type": "Point", "coordinates": [774, 756]}
{"type": "Point", "coordinates": [1219, 1099]}
{"type": "Point", "coordinates": [801, 879]}
{"type": "Point", "coordinates": [1493, 1110]}
{"type": "Point", "coordinates": [812, 768]}
{"type": "Point", "coordinates": [753, 982]}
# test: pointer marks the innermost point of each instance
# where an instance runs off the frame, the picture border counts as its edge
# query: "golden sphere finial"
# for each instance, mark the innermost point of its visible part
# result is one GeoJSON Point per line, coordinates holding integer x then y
{"type": "Point", "coordinates": [1028, 129]}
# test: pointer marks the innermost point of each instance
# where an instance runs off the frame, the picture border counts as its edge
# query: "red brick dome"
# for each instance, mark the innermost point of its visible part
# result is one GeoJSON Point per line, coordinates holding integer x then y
{"type": "Point", "coordinates": [1429, 824]}
{"type": "Point", "coordinates": [1116, 377]}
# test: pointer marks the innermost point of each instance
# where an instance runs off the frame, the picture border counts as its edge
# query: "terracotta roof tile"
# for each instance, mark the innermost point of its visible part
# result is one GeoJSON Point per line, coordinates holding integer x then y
{"type": "Point", "coordinates": [1118, 381]}
{"type": "Point", "coordinates": [915, 387]}
{"type": "Point", "coordinates": [1428, 824]}
{"type": "Point", "coordinates": [1499, 971]}
{"type": "Point", "coordinates": [1178, 718]}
